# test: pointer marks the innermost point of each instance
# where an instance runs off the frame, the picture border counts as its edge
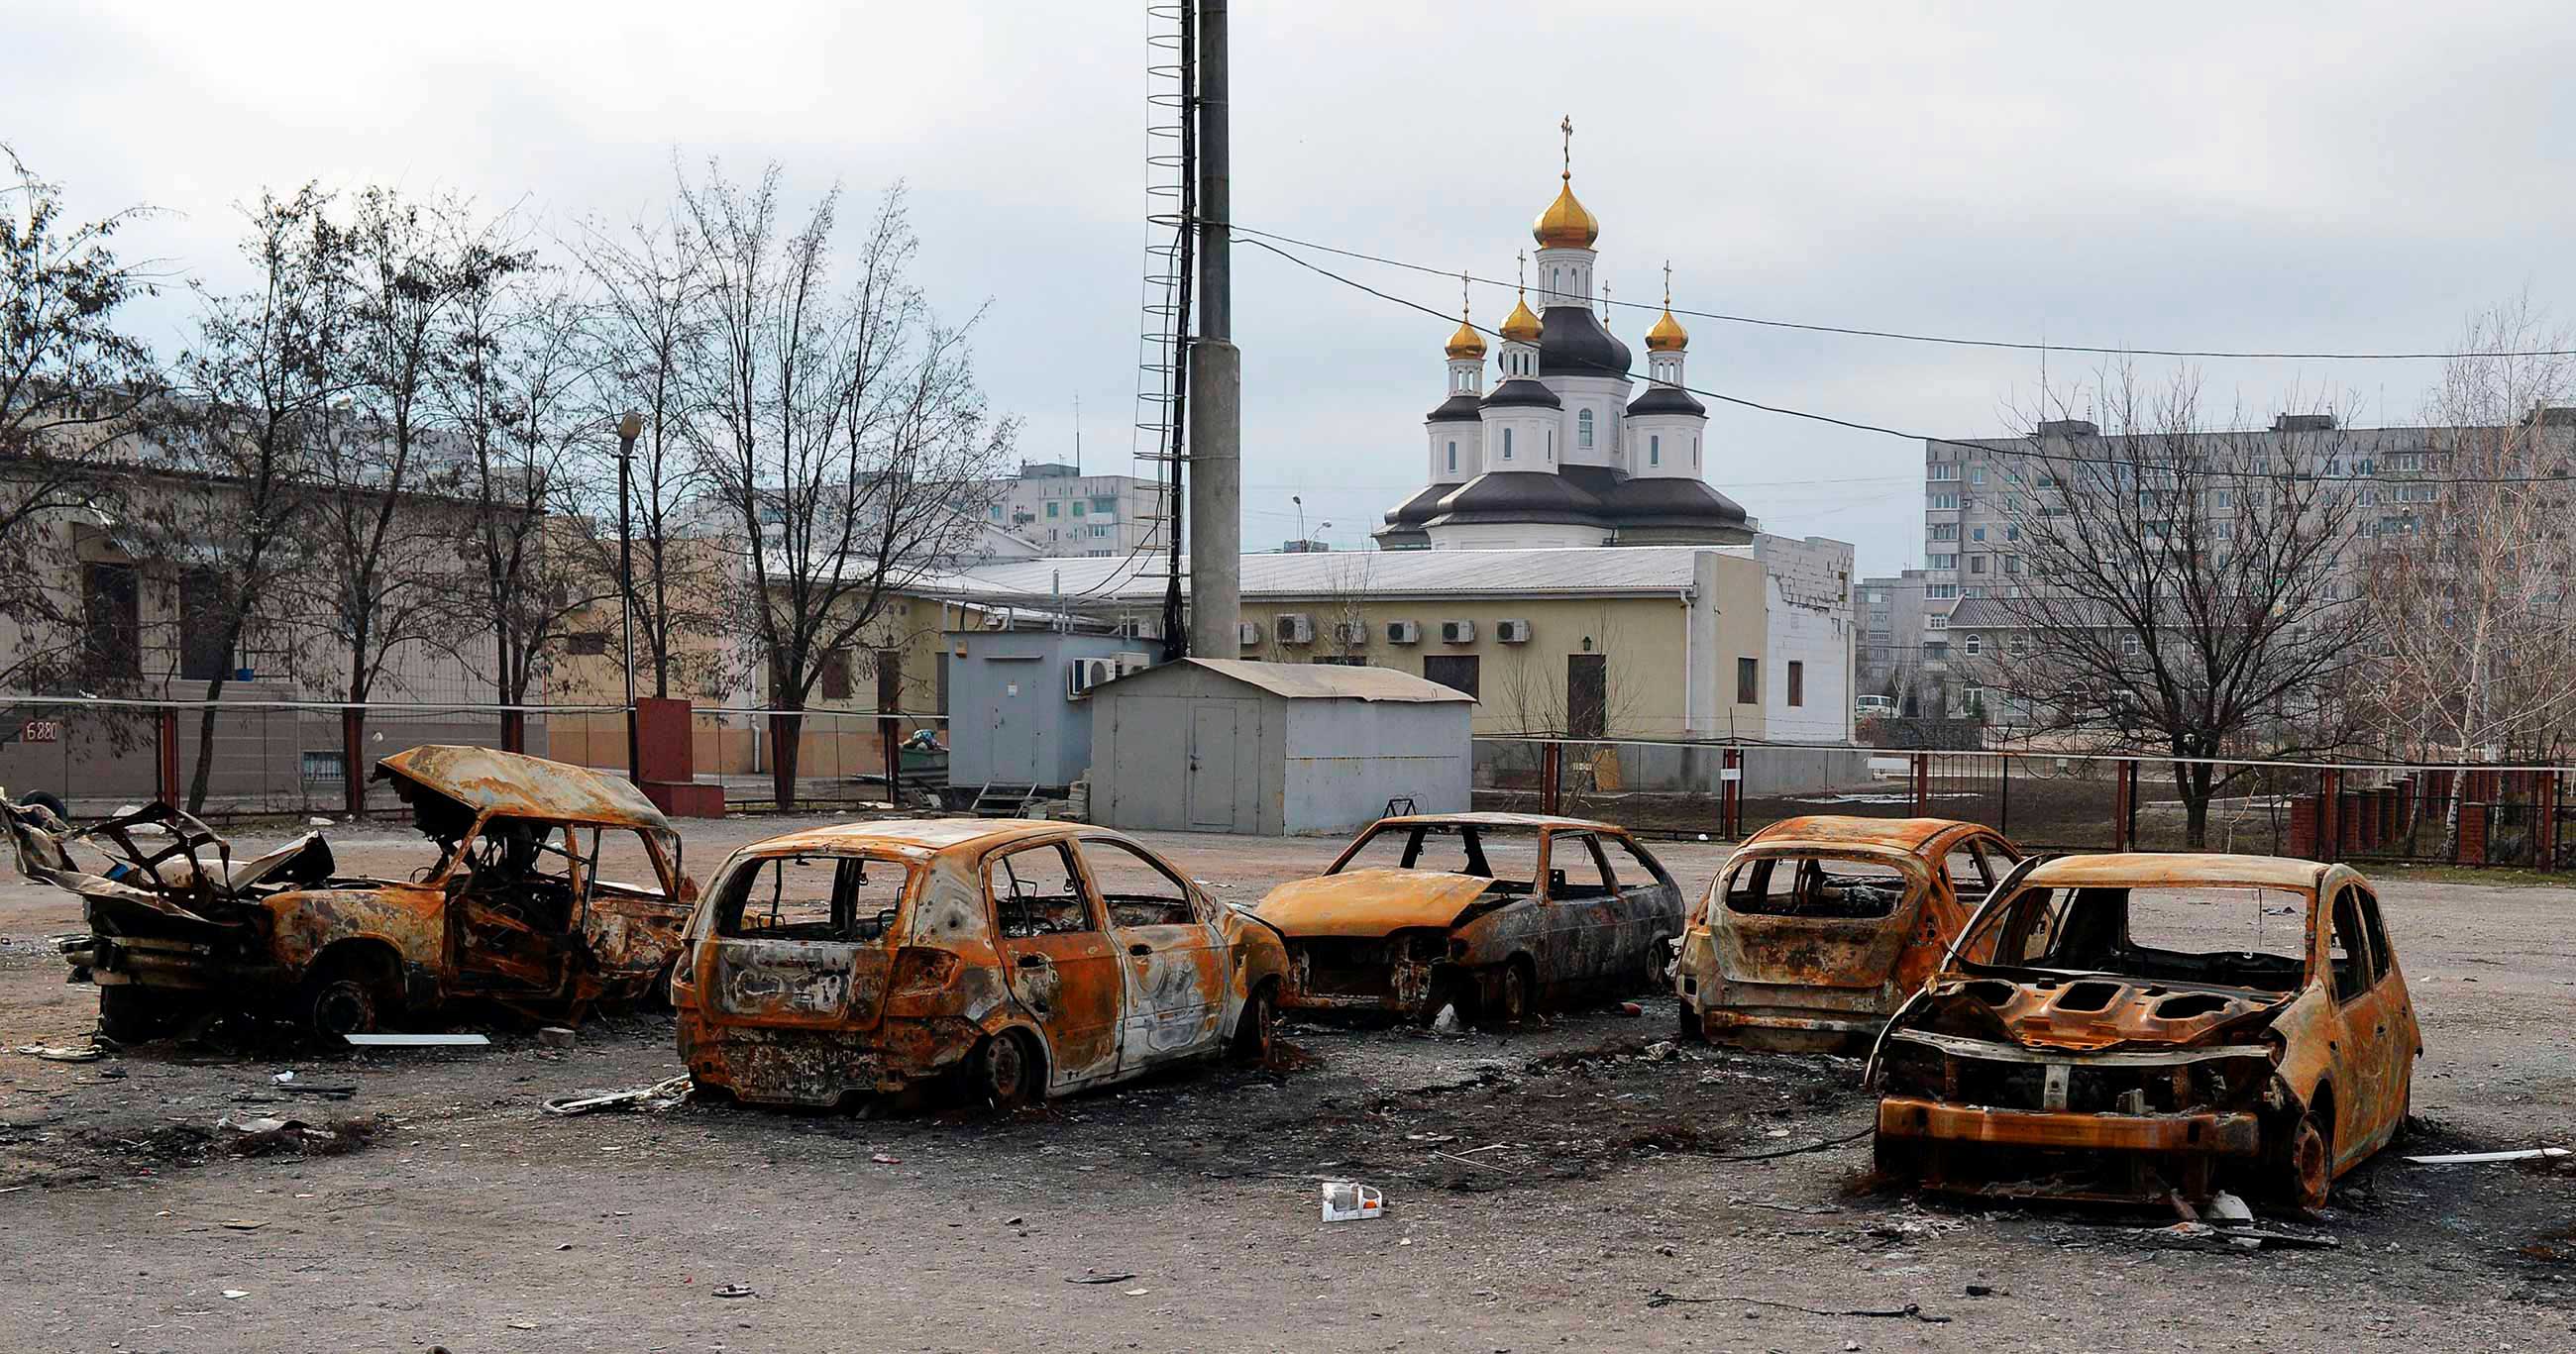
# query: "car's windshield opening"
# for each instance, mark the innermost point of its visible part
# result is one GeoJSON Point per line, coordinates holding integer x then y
{"type": "Point", "coordinates": [1814, 884]}
{"type": "Point", "coordinates": [824, 897]}
{"type": "Point", "coordinates": [2228, 935]}
{"type": "Point", "coordinates": [1506, 855]}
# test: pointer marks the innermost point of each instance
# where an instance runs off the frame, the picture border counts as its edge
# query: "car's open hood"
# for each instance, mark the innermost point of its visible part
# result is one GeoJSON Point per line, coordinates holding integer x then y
{"type": "Point", "coordinates": [2092, 1012]}
{"type": "Point", "coordinates": [1361, 904]}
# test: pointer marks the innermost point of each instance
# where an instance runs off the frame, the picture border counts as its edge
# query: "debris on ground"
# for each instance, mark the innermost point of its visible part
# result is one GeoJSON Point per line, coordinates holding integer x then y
{"type": "Point", "coordinates": [2457, 1158]}
{"type": "Point", "coordinates": [1660, 1298]}
{"type": "Point", "coordinates": [59, 1053]}
{"type": "Point", "coordinates": [1446, 1022]}
{"type": "Point", "coordinates": [2242, 1237]}
{"type": "Point", "coordinates": [555, 1036]}
{"type": "Point", "coordinates": [661, 1095]}
{"type": "Point", "coordinates": [2226, 1207]}
{"type": "Point", "coordinates": [1349, 1201]}
{"type": "Point", "coordinates": [1098, 1278]}
{"type": "Point", "coordinates": [736, 1290]}
{"type": "Point", "coordinates": [268, 1135]}
{"type": "Point", "coordinates": [418, 1040]}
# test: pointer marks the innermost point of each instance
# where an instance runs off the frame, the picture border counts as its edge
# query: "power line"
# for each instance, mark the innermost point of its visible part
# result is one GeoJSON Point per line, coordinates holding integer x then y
{"type": "Point", "coordinates": [1951, 340]}
{"type": "Point", "coordinates": [1986, 447]}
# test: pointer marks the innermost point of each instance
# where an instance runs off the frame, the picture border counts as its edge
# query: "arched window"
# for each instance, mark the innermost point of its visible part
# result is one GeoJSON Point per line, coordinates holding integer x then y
{"type": "Point", "coordinates": [1453, 458]}
{"type": "Point", "coordinates": [1507, 444]}
{"type": "Point", "coordinates": [1654, 451]}
{"type": "Point", "coordinates": [1583, 429]}
{"type": "Point", "coordinates": [1972, 645]}
{"type": "Point", "coordinates": [1551, 446]}
{"type": "Point", "coordinates": [1694, 453]}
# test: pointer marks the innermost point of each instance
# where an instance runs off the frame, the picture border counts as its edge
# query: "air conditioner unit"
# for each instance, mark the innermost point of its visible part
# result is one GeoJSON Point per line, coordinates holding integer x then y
{"type": "Point", "coordinates": [1247, 633]}
{"type": "Point", "coordinates": [1351, 634]}
{"type": "Point", "coordinates": [1082, 674]}
{"type": "Point", "coordinates": [1512, 632]}
{"type": "Point", "coordinates": [1140, 627]}
{"type": "Point", "coordinates": [999, 618]}
{"type": "Point", "coordinates": [1457, 632]}
{"type": "Point", "coordinates": [1403, 632]}
{"type": "Point", "coordinates": [1295, 627]}
{"type": "Point", "coordinates": [1132, 662]}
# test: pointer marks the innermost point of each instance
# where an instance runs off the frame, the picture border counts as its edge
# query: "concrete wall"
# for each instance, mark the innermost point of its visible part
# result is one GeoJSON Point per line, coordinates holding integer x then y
{"type": "Point", "coordinates": [1809, 622]}
{"type": "Point", "coordinates": [1347, 758]}
{"type": "Point", "coordinates": [1644, 768]}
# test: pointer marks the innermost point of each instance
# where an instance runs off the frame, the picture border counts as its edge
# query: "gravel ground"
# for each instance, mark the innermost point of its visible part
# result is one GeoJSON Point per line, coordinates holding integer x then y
{"type": "Point", "coordinates": [1568, 1186]}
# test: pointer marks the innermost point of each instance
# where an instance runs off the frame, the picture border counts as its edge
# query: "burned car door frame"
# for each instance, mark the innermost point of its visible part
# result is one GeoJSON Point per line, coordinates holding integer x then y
{"type": "Point", "coordinates": [1173, 961]}
{"type": "Point", "coordinates": [1058, 962]}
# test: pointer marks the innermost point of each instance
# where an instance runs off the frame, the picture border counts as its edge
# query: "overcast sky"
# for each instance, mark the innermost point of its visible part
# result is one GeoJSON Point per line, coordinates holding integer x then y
{"type": "Point", "coordinates": [2353, 178]}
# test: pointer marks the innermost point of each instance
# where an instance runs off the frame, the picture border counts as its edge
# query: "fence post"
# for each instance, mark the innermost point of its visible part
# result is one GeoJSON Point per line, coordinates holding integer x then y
{"type": "Point", "coordinates": [888, 740]}
{"type": "Point", "coordinates": [1921, 796]}
{"type": "Point", "coordinates": [514, 731]}
{"type": "Point", "coordinates": [1551, 770]}
{"type": "Point", "coordinates": [2329, 815]}
{"type": "Point", "coordinates": [2124, 804]}
{"type": "Point", "coordinates": [167, 734]}
{"type": "Point", "coordinates": [2544, 835]}
{"type": "Point", "coordinates": [1730, 794]}
{"type": "Point", "coordinates": [2003, 793]}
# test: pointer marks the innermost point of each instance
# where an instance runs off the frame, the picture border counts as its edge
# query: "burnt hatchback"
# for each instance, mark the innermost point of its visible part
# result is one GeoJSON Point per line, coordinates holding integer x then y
{"type": "Point", "coordinates": [1493, 912]}
{"type": "Point", "coordinates": [513, 909]}
{"type": "Point", "coordinates": [1013, 959]}
{"type": "Point", "coordinates": [1817, 927]}
{"type": "Point", "coordinates": [2125, 1027]}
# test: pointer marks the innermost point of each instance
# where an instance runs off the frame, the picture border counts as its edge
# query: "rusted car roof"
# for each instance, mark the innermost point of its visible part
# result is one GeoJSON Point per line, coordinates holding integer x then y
{"type": "Point", "coordinates": [488, 780]}
{"type": "Point", "coordinates": [909, 834]}
{"type": "Point", "coordinates": [1502, 820]}
{"type": "Point", "coordinates": [1899, 834]}
{"type": "Point", "coordinates": [2160, 867]}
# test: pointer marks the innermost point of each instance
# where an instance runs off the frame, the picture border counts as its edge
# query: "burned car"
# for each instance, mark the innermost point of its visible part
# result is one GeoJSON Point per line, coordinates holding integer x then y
{"type": "Point", "coordinates": [1817, 927]}
{"type": "Point", "coordinates": [1012, 959]}
{"type": "Point", "coordinates": [2127, 1027]}
{"type": "Point", "coordinates": [1494, 913]}
{"type": "Point", "coordinates": [513, 909]}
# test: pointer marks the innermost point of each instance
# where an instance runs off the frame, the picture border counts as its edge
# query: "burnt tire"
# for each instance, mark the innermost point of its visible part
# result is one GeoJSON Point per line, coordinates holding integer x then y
{"type": "Point", "coordinates": [343, 996]}
{"type": "Point", "coordinates": [1004, 1071]}
{"type": "Point", "coordinates": [1256, 1026]}
{"type": "Point", "coordinates": [1513, 990]}
{"type": "Point", "coordinates": [42, 799]}
{"type": "Point", "coordinates": [2307, 1177]}
{"type": "Point", "coordinates": [1655, 972]}
{"type": "Point", "coordinates": [1898, 1162]}
{"type": "Point", "coordinates": [131, 1015]}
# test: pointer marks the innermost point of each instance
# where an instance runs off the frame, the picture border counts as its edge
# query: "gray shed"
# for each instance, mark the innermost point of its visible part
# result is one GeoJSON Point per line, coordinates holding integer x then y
{"type": "Point", "coordinates": [1226, 745]}
{"type": "Point", "coordinates": [1017, 706]}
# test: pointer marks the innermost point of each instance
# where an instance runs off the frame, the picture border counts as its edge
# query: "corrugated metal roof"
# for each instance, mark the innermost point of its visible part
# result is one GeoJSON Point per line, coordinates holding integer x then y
{"type": "Point", "coordinates": [1577, 571]}
{"type": "Point", "coordinates": [1317, 681]}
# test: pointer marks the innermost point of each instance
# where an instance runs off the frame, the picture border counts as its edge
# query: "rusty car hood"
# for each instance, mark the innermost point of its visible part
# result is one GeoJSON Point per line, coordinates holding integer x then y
{"type": "Point", "coordinates": [1362, 904]}
{"type": "Point", "coordinates": [2093, 1012]}
{"type": "Point", "coordinates": [515, 785]}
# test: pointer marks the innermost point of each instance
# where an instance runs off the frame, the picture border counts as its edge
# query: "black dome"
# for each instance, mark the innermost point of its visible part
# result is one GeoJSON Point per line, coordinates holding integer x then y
{"type": "Point", "coordinates": [1455, 409]}
{"type": "Point", "coordinates": [1667, 400]}
{"type": "Point", "coordinates": [1658, 501]}
{"type": "Point", "coordinates": [1521, 390]}
{"type": "Point", "coordinates": [1518, 496]}
{"type": "Point", "coordinates": [1418, 509]}
{"type": "Point", "coordinates": [1571, 342]}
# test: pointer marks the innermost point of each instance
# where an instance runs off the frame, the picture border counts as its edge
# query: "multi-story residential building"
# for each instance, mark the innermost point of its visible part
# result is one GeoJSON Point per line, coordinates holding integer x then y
{"type": "Point", "coordinates": [1067, 512]}
{"type": "Point", "coordinates": [1892, 657]}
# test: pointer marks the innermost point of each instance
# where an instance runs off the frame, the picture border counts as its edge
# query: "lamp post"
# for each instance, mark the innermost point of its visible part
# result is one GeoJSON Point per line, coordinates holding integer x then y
{"type": "Point", "coordinates": [628, 429]}
{"type": "Point", "coordinates": [1301, 519]}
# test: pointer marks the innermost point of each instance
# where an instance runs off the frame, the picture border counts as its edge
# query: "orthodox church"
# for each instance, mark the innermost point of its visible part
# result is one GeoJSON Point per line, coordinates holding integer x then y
{"type": "Point", "coordinates": [1557, 453]}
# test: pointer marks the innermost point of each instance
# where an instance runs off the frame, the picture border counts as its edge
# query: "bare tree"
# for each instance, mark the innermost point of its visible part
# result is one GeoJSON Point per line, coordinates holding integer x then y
{"type": "Point", "coordinates": [71, 385]}
{"type": "Point", "coordinates": [514, 387]}
{"type": "Point", "coordinates": [2178, 587]}
{"type": "Point", "coordinates": [234, 497]}
{"type": "Point", "coordinates": [2469, 578]}
{"type": "Point", "coordinates": [649, 319]}
{"type": "Point", "coordinates": [833, 429]}
{"type": "Point", "coordinates": [385, 578]}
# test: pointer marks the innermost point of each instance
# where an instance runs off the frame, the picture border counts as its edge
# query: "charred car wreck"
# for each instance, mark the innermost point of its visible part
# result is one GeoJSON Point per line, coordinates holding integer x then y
{"type": "Point", "coordinates": [2129, 1027]}
{"type": "Point", "coordinates": [513, 909]}
{"type": "Point", "coordinates": [1014, 960]}
{"type": "Point", "coordinates": [1492, 912]}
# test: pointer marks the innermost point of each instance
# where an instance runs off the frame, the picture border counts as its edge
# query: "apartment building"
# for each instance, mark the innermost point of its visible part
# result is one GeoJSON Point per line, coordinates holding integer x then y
{"type": "Point", "coordinates": [1069, 513]}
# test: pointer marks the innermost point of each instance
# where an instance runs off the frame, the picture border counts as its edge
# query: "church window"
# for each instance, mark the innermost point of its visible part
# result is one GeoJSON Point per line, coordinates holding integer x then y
{"type": "Point", "coordinates": [1453, 458]}
{"type": "Point", "coordinates": [1507, 444]}
{"type": "Point", "coordinates": [1583, 429]}
{"type": "Point", "coordinates": [1654, 451]}
{"type": "Point", "coordinates": [1694, 453]}
{"type": "Point", "coordinates": [1551, 444]}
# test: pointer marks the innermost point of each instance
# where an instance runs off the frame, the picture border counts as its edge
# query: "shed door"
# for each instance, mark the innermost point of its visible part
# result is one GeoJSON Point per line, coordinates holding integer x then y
{"type": "Point", "coordinates": [1011, 713]}
{"type": "Point", "coordinates": [1210, 783]}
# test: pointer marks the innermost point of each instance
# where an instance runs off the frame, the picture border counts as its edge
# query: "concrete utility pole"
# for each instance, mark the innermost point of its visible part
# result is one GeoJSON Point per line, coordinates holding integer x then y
{"type": "Point", "coordinates": [1216, 373]}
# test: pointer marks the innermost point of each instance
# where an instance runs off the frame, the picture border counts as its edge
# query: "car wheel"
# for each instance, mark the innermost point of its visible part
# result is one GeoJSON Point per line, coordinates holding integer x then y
{"type": "Point", "coordinates": [1255, 1026]}
{"type": "Point", "coordinates": [1006, 1071]}
{"type": "Point", "coordinates": [344, 997]}
{"type": "Point", "coordinates": [1512, 988]}
{"type": "Point", "coordinates": [1687, 1024]}
{"type": "Point", "coordinates": [130, 1015]}
{"type": "Point", "coordinates": [2310, 1165]}
{"type": "Point", "coordinates": [40, 799]}
{"type": "Point", "coordinates": [1655, 976]}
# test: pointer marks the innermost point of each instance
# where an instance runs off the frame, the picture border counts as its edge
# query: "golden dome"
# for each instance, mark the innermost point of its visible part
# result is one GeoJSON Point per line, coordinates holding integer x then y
{"type": "Point", "coordinates": [1520, 326]}
{"type": "Point", "coordinates": [1566, 224]}
{"type": "Point", "coordinates": [1667, 336]}
{"type": "Point", "coordinates": [1466, 342]}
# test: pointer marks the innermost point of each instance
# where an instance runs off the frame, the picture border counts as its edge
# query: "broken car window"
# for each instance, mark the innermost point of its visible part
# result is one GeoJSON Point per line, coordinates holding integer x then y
{"type": "Point", "coordinates": [1630, 865]}
{"type": "Point", "coordinates": [2233, 936]}
{"type": "Point", "coordinates": [1508, 856]}
{"type": "Point", "coordinates": [1807, 885]}
{"type": "Point", "coordinates": [2348, 948]}
{"type": "Point", "coordinates": [1136, 890]}
{"type": "Point", "coordinates": [1037, 893]}
{"type": "Point", "coordinates": [518, 874]}
{"type": "Point", "coordinates": [1577, 869]}
{"type": "Point", "coordinates": [838, 898]}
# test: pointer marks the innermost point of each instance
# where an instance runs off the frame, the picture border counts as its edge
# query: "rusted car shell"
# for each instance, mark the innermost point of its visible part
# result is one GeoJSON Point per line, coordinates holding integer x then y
{"type": "Point", "coordinates": [798, 1023]}
{"type": "Point", "coordinates": [1405, 942]}
{"type": "Point", "coordinates": [1823, 983]}
{"type": "Point", "coordinates": [183, 925]}
{"type": "Point", "coordinates": [2143, 1087]}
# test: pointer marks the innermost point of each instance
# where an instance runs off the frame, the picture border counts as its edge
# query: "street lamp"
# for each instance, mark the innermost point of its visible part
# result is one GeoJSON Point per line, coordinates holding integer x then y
{"type": "Point", "coordinates": [1301, 519]}
{"type": "Point", "coordinates": [628, 429]}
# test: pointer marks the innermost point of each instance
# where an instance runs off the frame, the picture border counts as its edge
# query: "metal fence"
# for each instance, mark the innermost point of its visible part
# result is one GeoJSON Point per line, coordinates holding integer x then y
{"type": "Point", "coordinates": [2507, 816]}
